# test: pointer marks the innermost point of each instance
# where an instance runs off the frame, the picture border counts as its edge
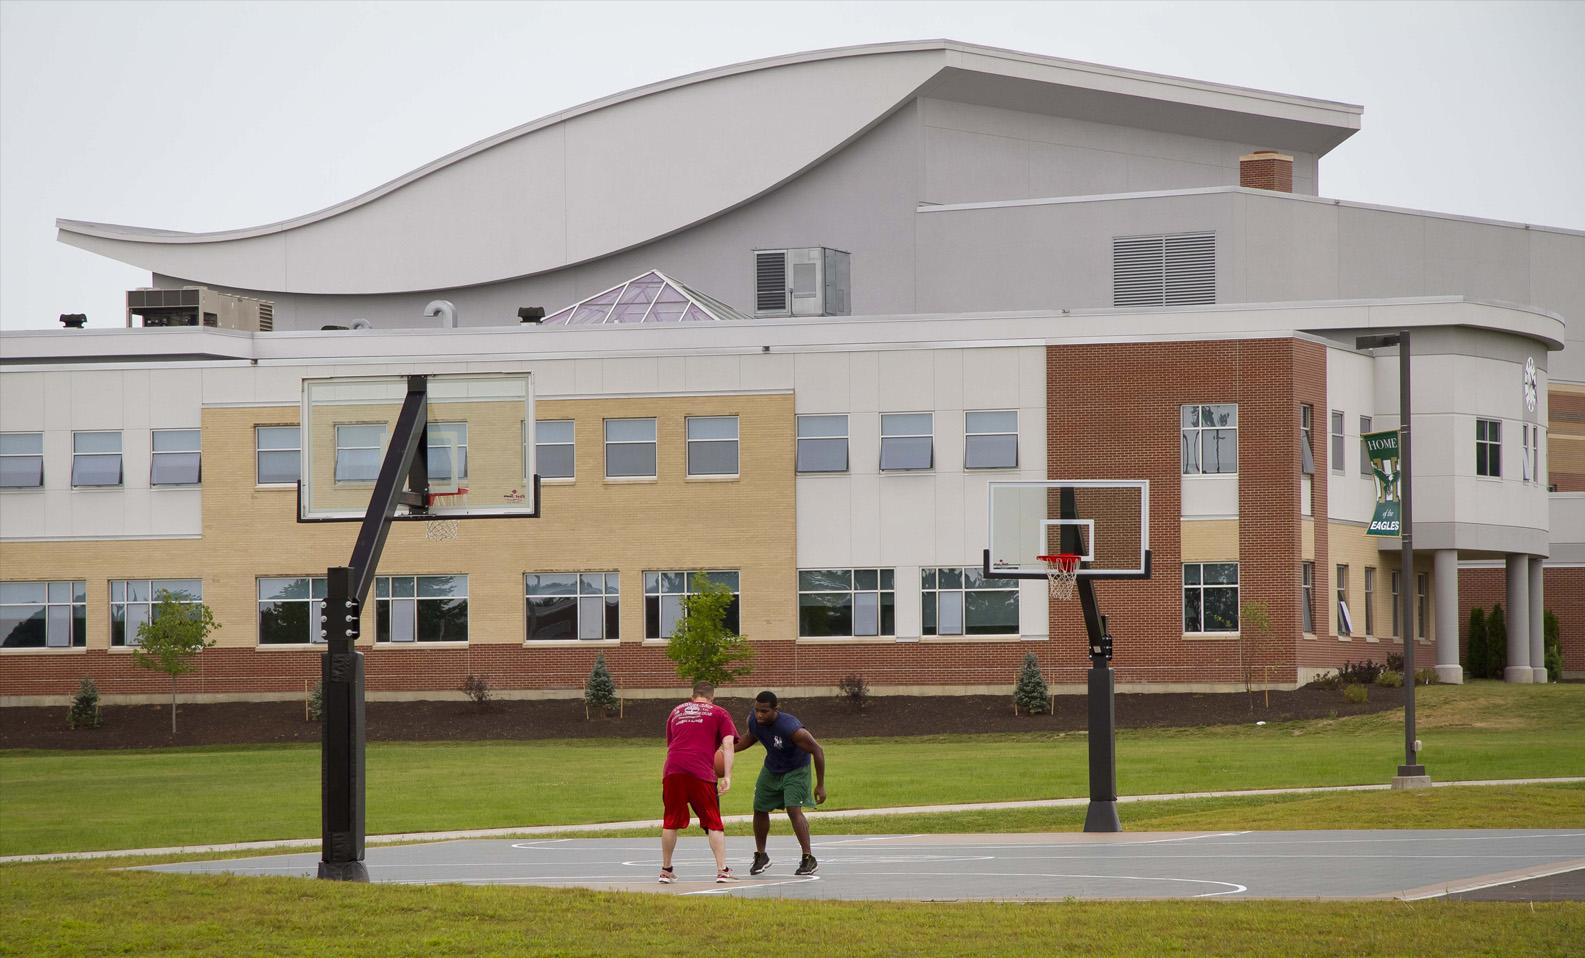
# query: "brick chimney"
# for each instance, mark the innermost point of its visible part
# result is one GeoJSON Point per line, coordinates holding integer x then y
{"type": "Point", "coordinates": [1266, 170]}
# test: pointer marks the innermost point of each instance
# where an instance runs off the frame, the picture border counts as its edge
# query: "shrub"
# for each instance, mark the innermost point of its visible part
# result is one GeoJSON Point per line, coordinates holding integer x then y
{"type": "Point", "coordinates": [1356, 694]}
{"type": "Point", "coordinates": [84, 711]}
{"type": "Point", "coordinates": [1475, 651]}
{"type": "Point", "coordinates": [1552, 643]}
{"type": "Point", "coordinates": [1425, 677]}
{"type": "Point", "coordinates": [1496, 643]}
{"type": "Point", "coordinates": [1389, 679]}
{"type": "Point", "coordinates": [856, 690]}
{"type": "Point", "coordinates": [316, 702]}
{"type": "Point", "coordinates": [701, 646]}
{"type": "Point", "coordinates": [1350, 673]}
{"type": "Point", "coordinates": [599, 692]}
{"type": "Point", "coordinates": [477, 688]}
{"type": "Point", "coordinates": [1394, 662]}
{"type": "Point", "coordinates": [1031, 694]}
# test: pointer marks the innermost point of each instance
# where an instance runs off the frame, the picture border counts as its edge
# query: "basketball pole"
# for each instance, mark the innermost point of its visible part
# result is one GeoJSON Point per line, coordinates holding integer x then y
{"type": "Point", "coordinates": [1102, 813]}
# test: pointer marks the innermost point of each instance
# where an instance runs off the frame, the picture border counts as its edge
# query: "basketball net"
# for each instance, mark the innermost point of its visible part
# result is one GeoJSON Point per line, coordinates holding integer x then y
{"type": "Point", "coordinates": [442, 528]}
{"type": "Point", "coordinates": [1062, 574]}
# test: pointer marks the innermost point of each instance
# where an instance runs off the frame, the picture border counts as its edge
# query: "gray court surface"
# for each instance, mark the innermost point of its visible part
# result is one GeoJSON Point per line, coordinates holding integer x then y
{"type": "Point", "coordinates": [1409, 865]}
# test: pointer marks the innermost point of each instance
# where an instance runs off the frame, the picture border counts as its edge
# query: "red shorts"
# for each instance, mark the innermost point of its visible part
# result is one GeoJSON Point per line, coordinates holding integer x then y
{"type": "Point", "coordinates": [681, 790]}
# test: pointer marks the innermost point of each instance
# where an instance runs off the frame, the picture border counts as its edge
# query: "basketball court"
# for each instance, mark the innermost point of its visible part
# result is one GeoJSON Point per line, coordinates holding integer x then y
{"type": "Point", "coordinates": [1408, 865]}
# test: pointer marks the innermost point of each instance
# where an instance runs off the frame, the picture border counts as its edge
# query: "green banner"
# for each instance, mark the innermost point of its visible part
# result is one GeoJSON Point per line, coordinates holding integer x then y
{"type": "Point", "coordinates": [1382, 447]}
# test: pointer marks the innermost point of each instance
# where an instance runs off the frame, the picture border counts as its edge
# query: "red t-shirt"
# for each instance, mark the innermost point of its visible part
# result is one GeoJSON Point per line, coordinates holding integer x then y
{"type": "Point", "coordinates": [694, 731]}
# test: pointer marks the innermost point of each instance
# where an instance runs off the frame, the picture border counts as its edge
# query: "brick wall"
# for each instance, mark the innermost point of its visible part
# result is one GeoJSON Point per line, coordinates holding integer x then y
{"type": "Point", "coordinates": [1563, 594]}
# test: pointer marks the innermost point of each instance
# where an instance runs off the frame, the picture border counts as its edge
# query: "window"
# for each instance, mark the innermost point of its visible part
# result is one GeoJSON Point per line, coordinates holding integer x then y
{"type": "Point", "coordinates": [1210, 439]}
{"type": "Point", "coordinates": [358, 451]}
{"type": "Point", "coordinates": [567, 606]}
{"type": "Point", "coordinates": [990, 440]}
{"type": "Point", "coordinates": [1345, 621]}
{"type": "Point", "coordinates": [1397, 630]}
{"type": "Point", "coordinates": [906, 441]}
{"type": "Point", "coordinates": [1307, 596]}
{"type": "Point", "coordinates": [1364, 455]}
{"type": "Point", "coordinates": [21, 460]}
{"type": "Point", "coordinates": [174, 460]}
{"type": "Point", "coordinates": [277, 449]}
{"type": "Point", "coordinates": [663, 594]}
{"type": "Point", "coordinates": [1526, 467]}
{"type": "Point", "coordinates": [630, 448]}
{"type": "Point", "coordinates": [554, 448]}
{"type": "Point", "coordinates": [421, 608]}
{"type": "Point", "coordinates": [844, 602]}
{"type": "Point", "coordinates": [96, 459]}
{"type": "Point", "coordinates": [132, 603]}
{"type": "Point", "coordinates": [1307, 439]}
{"type": "Point", "coordinates": [1422, 610]}
{"type": "Point", "coordinates": [1370, 601]}
{"type": "Point", "coordinates": [822, 444]}
{"type": "Point", "coordinates": [1210, 597]}
{"type": "Point", "coordinates": [446, 441]}
{"type": "Point", "coordinates": [289, 609]}
{"type": "Point", "coordinates": [961, 601]}
{"type": "Point", "coordinates": [1488, 447]}
{"type": "Point", "coordinates": [712, 446]}
{"type": "Point", "coordinates": [1337, 441]}
{"type": "Point", "coordinates": [43, 615]}
{"type": "Point", "coordinates": [1171, 270]}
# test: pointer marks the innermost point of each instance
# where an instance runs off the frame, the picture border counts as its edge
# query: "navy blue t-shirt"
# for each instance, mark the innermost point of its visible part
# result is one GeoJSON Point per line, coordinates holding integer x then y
{"type": "Point", "coordinates": [781, 755]}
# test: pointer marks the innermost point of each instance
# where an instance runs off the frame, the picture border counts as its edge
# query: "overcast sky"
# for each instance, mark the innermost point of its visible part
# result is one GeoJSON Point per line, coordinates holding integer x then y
{"type": "Point", "coordinates": [200, 116]}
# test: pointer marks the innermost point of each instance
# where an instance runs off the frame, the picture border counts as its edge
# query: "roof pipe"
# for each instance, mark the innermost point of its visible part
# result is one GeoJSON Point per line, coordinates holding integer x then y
{"type": "Point", "coordinates": [444, 310]}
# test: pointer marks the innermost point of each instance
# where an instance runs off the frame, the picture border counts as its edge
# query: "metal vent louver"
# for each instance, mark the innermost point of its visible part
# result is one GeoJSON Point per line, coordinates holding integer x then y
{"type": "Point", "coordinates": [770, 282]}
{"type": "Point", "coordinates": [1171, 270]}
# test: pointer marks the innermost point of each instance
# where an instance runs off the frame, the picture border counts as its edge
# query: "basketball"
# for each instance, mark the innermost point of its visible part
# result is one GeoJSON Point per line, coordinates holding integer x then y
{"type": "Point", "coordinates": [720, 763]}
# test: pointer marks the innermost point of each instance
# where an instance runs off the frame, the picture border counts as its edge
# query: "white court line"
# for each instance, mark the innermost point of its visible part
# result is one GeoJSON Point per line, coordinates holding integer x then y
{"type": "Point", "coordinates": [540, 844]}
{"type": "Point", "coordinates": [854, 841]}
{"type": "Point", "coordinates": [1188, 838]}
{"type": "Point", "coordinates": [1233, 888]}
{"type": "Point", "coordinates": [1455, 889]}
{"type": "Point", "coordinates": [727, 889]}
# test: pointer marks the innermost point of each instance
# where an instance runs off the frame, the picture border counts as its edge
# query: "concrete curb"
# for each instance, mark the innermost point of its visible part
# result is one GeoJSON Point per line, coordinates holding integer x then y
{"type": "Point", "coordinates": [530, 830]}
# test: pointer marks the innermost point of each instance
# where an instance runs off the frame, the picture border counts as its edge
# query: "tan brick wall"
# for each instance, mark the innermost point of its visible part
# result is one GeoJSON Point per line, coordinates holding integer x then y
{"type": "Point", "coordinates": [1565, 448]}
{"type": "Point", "coordinates": [1210, 540]}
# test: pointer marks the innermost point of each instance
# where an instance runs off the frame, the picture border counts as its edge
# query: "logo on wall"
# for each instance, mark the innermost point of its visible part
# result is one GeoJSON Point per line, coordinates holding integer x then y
{"type": "Point", "coordinates": [1382, 447]}
{"type": "Point", "coordinates": [1530, 383]}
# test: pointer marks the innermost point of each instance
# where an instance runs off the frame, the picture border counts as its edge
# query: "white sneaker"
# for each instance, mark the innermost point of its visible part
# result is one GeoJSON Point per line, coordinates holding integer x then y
{"type": "Point", "coordinates": [725, 875]}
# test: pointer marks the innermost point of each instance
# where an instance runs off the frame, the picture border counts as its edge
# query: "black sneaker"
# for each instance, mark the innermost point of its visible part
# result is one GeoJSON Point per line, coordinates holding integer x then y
{"type": "Point", "coordinates": [807, 865]}
{"type": "Point", "coordinates": [761, 862]}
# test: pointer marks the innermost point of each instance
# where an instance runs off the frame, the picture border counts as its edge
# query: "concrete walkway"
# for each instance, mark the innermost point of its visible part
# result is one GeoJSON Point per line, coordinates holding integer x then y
{"type": "Point", "coordinates": [531, 830]}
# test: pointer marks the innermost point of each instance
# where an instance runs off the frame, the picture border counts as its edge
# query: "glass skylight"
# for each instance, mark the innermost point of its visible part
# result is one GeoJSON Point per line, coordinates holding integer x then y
{"type": "Point", "coordinates": [652, 297]}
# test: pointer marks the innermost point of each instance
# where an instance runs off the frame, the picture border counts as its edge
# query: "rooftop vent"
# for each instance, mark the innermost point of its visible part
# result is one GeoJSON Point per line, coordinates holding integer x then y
{"type": "Point", "coordinates": [74, 320]}
{"type": "Point", "coordinates": [198, 306]}
{"type": "Point", "coordinates": [811, 281]}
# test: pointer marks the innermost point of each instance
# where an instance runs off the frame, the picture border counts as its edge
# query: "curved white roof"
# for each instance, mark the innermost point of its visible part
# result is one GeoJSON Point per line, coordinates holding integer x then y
{"type": "Point", "coordinates": [585, 183]}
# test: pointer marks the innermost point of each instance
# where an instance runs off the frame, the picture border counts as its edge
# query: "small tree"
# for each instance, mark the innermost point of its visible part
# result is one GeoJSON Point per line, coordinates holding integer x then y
{"type": "Point", "coordinates": [477, 689]}
{"type": "Point", "coordinates": [1496, 643]}
{"type": "Point", "coordinates": [1552, 648]}
{"type": "Point", "coordinates": [856, 689]}
{"type": "Point", "coordinates": [173, 636]}
{"type": "Point", "coordinates": [1475, 657]}
{"type": "Point", "coordinates": [84, 712]}
{"type": "Point", "coordinates": [599, 692]}
{"type": "Point", "coordinates": [316, 702]}
{"type": "Point", "coordinates": [1254, 619]}
{"type": "Point", "coordinates": [1031, 693]}
{"type": "Point", "coordinates": [702, 647]}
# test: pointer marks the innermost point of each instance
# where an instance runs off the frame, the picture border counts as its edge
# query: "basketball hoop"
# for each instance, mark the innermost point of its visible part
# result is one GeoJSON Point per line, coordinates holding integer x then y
{"type": "Point", "coordinates": [443, 528]}
{"type": "Point", "coordinates": [1062, 573]}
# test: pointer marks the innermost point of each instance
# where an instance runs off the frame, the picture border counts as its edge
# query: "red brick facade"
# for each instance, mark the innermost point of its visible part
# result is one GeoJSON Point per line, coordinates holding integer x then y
{"type": "Point", "coordinates": [1562, 594]}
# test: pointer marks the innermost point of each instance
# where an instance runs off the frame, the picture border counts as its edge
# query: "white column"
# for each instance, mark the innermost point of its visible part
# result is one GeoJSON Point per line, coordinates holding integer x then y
{"type": "Point", "coordinates": [1537, 638]}
{"type": "Point", "coordinates": [1518, 608]}
{"type": "Point", "coordinates": [1444, 576]}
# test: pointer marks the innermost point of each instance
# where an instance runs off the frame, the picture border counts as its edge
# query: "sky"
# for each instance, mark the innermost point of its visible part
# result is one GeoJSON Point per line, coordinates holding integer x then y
{"type": "Point", "coordinates": [204, 116]}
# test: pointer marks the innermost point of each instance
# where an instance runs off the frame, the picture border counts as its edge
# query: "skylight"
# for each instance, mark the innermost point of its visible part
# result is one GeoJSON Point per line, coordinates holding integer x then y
{"type": "Point", "coordinates": [652, 297]}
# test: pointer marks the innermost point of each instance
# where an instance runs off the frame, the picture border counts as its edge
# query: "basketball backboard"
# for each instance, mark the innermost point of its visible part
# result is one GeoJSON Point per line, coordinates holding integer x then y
{"type": "Point", "coordinates": [480, 444]}
{"type": "Point", "coordinates": [1106, 522]}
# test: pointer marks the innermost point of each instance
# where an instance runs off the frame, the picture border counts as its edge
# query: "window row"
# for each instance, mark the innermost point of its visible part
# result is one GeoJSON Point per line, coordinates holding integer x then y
{"type": "Point", "coordinates": [174, 459]}
{"type": "Point", "coordinates": [990, 441]}
{"type": "Point", "coordinates": [1488, 446]}
{"type": "Point", "coordinates": [1347, 624]}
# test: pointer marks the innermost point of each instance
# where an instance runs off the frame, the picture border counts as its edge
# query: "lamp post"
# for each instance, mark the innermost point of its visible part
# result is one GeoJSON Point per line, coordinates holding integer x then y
{"type": "Point", "coordinates": [1411, 774]}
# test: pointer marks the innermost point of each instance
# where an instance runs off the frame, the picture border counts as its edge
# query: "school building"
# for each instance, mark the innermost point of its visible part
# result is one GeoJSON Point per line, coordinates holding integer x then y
{"type": "Point", "coordinates": [800, 312]}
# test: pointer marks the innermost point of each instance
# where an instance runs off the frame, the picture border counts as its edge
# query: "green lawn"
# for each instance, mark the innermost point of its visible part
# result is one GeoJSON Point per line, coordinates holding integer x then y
{"type": "Point", "coordinates": [196, 796]}
{"type": "Point", "coordinates": [90, 909]}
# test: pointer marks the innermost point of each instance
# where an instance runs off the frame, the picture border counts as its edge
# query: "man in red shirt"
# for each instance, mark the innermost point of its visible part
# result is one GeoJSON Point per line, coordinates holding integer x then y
{"type": "Point", "coordinates": [694, 730]}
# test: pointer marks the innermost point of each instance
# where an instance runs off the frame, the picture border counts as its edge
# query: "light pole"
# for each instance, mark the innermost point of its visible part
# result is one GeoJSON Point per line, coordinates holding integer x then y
{"type": "Point", "coordinates": [1411, 774]}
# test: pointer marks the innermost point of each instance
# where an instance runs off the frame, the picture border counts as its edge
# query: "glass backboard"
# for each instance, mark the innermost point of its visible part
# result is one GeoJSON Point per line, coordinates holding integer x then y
{"type": "Point", "coordinates": [1106, 522]}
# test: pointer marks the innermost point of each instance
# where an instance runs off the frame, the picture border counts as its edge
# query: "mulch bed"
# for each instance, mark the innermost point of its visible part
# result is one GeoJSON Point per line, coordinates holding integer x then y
{"type": "Point", "coordinates": [234, 723]}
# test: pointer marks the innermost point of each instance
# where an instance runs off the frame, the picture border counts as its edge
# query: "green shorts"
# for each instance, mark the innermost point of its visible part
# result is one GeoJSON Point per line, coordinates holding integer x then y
{"type": "Point", "coordinates": [790, 790]}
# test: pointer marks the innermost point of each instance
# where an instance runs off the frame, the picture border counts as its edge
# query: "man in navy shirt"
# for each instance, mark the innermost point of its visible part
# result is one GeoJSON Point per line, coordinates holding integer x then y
{"type": "Point", "coordinates": [784, 781]}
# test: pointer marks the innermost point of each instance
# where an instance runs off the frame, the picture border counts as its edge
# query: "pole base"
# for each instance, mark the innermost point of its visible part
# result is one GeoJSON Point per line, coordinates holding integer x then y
{"type": "Point", "coordinates": [1411, 776]}
{"type": "Point", "coordinates": [1102, 817]}
{"type": "Point", "coordinates": [343, 871]}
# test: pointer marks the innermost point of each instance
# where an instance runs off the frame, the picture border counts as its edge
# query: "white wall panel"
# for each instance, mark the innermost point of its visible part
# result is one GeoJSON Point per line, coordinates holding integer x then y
{"type": "Point", "coordinates": [22, 402]}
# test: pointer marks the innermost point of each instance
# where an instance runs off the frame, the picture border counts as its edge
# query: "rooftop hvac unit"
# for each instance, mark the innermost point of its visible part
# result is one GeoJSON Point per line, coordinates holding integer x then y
{"type": "Point", "coordinates": [198, 306]}
{"type": "Point", "coordinates": [809, 281]}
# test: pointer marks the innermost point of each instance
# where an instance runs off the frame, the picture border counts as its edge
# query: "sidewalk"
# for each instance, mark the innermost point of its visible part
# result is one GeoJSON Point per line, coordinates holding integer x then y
{"type": "Point", "coordinates": [596, 828]}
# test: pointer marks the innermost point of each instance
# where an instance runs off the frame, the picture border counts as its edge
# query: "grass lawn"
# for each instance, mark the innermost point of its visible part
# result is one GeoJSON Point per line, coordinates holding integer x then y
{"type": "Point", "coordinates": [195, 796]}
{"type": "Point", "coordinates": [91, 909]}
